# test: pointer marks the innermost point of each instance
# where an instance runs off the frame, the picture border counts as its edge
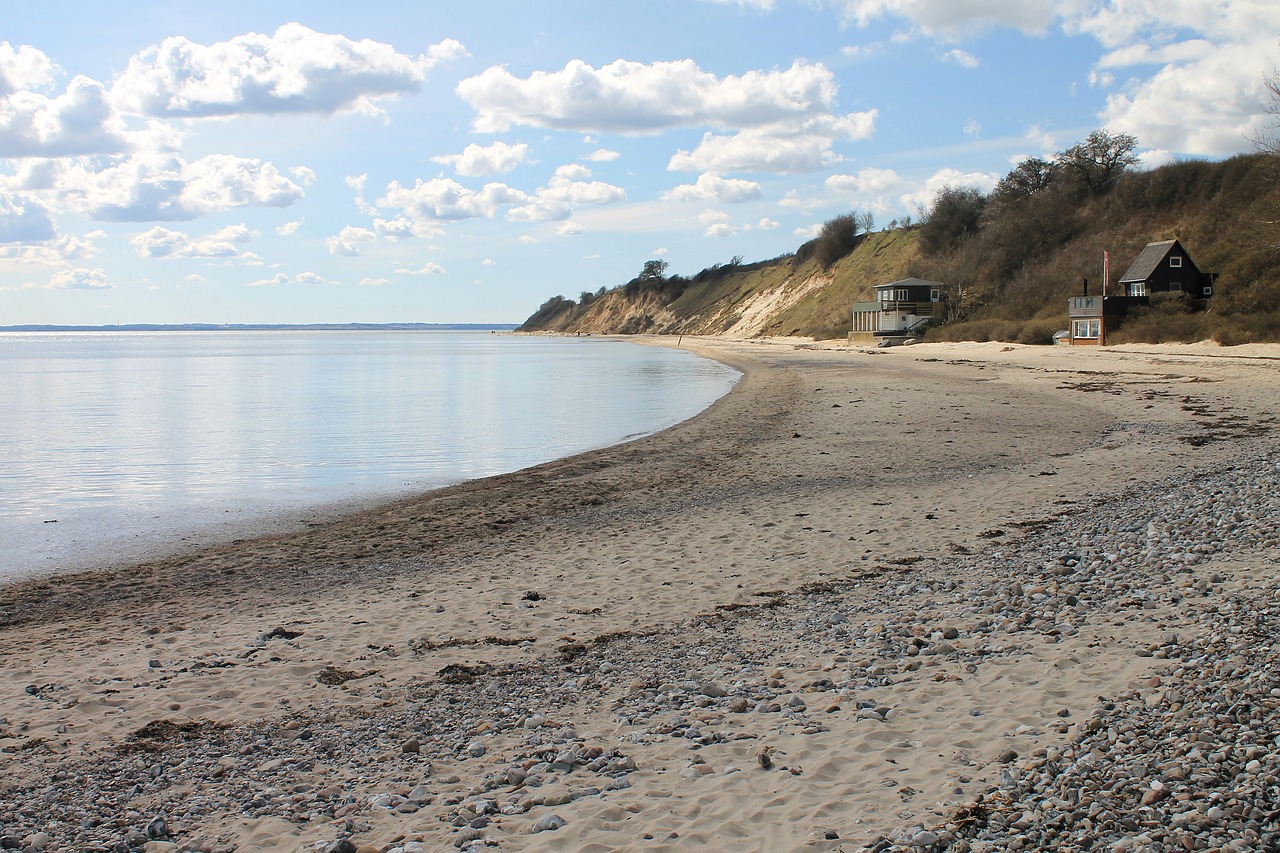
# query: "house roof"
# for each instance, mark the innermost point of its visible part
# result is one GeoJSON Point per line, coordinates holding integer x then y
{"type": "Point", "coordinates": [911, 282]}
{"type": "Point", "coordinates": [1150, 258]}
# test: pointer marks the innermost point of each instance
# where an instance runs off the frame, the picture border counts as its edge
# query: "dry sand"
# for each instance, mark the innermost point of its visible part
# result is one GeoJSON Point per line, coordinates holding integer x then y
{"type": "Point", "coordinates": [522, 614]}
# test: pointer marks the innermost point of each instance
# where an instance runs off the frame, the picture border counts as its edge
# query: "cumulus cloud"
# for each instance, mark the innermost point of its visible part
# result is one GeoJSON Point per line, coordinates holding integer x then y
{"type": "Point", "coordinates": [37, 121]}
{"type": "Point", "coordinates": [922, 196]}
{"type": "Point", "coordinates": [570, 229]}
{"type": "Point", "coordinates": [870, 189]}
{"type": "Point", "coordinates": [1198, 65]}
{"type": "Point", "coordinates": [603, 155]}
{"type": "Point", "coordinates": [429, 268]}
{"type": "Point", "coordinates": [374, 282]}
{"type": "Point", "coordinates": [567, 189]}
{"type": "Point", "coordinates": [447, 200]}
{"type": "Point", "coordinates": [477, 161]}
{"type": "Point", "coordinates": [716, 189]}
{"type": "Point", "coordinates": [294, 70]}
{"type": "Point", "coordinates": [224, 244]}
{"type": "Point", "coordinates": [24, 220]}
{"type": "Point", "coordinates": [780, 148]}
{"type": "Point", "coordinates": [753, 5]}
{"type": "Point", "coordinates": [347, 241]}
{"type": "Point", "coordinates": [283, 278]}
{"type": "Point", "coordinates": [442, 199]}
{"type": "Point", "coordinates": [80, 279]}
{"type": "Point", "coordinates": [1210, 106]}
{"type": "Point", "coordinates": [60, 250]}
{"type": "Point", "coordinates": [159, 187]}
{"type": "Point", "coordinates": [634, 98]}
{"type": "Point", "coordinates": [289, 228]}
{"type": "Point", "coordinates": [953, 18]}
{"type": "Point", "coordinates": [962, 58]}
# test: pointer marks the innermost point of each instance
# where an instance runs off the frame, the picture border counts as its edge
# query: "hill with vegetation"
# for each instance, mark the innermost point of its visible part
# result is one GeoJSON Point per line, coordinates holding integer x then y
{"type": "Point", "coordinates": [1009, 259]}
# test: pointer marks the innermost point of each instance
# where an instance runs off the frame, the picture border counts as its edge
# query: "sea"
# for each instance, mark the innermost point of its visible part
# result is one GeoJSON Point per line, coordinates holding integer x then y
{"type": "Point", "coordinates": [117, 446]}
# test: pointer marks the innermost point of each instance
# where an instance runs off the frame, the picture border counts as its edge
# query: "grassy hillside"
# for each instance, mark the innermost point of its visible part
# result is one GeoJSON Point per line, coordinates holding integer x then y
{"type": "Point", "coordinates": [1010, 261]}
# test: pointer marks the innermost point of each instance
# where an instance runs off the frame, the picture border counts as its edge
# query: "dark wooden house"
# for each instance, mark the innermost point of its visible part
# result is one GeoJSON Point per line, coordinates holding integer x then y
{"type": "Point", "coordinates": [1163, 267]}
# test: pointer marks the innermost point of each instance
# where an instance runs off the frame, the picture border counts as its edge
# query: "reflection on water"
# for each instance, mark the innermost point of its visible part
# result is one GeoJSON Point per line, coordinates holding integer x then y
{"type": "Point", "coordinates": [133, 440]}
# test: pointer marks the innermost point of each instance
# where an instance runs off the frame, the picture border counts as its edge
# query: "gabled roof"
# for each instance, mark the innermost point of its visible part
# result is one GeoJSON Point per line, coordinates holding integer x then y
{"type": "Point", "coordinates": [1150, 258]}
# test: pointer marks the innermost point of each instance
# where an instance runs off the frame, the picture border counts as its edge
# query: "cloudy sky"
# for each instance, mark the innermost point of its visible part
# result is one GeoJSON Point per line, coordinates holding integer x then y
{"type": "Point", "coordinates": [460, 162]}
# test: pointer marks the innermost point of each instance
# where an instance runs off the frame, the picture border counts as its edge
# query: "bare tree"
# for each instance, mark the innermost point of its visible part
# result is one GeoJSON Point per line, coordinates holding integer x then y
{"type": "Point", "coordinates": [1100, 159]}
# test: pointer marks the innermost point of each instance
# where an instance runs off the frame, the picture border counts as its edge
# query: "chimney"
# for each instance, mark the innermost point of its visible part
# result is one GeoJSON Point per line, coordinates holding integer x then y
{"type": "Point", "coordinates": [1086, 287]}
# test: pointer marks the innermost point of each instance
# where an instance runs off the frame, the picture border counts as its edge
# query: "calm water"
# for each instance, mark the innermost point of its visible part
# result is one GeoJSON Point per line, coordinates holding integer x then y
{"type": "Point", "coordinates": [132, 443]}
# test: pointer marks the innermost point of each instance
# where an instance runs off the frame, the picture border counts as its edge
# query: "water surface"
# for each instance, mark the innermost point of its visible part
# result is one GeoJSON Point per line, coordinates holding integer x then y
{"type": "Point", "coordinates": [122, 444]}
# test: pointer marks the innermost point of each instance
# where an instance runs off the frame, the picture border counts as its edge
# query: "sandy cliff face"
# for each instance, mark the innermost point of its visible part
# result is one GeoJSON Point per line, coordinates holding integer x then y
{"type": "Point", "coordinates": [785, 296]}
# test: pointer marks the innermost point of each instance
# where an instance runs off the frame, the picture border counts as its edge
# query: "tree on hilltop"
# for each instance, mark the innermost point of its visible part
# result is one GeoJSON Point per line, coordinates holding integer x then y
{"type": "Point", "coordinates": [1100, 160]}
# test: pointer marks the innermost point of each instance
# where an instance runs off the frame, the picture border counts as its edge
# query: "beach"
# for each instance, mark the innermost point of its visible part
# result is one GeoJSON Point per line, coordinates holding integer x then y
{"type": "Point", "coordinates": [926, 597]}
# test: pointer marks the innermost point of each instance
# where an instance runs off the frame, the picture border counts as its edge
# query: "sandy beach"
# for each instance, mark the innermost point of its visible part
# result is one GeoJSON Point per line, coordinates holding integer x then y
{"type": "Point", "coordinates": [945, 596]}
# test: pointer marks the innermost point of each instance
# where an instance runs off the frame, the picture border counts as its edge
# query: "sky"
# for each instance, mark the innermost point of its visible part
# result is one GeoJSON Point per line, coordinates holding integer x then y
{"type": "Point", "coordinates": [461, 162]}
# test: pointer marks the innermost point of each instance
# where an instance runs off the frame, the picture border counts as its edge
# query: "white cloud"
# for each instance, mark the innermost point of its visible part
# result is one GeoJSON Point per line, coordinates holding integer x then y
{"type": "Point", "coordinates": [289, 228]}
{"type": "Point", "coordinates": [35, 121]}
{"type": "Point", "coordinates": [80, 279]}
{"type": "Point", "coordinates": [754, 5]}
{"type": "Point", "coordinates": [196, 278]}
{"type": "Point", "coordinates": [631, 97]}
{"type": "Point", "coordinates": [60, 250]}
{"type": "Point", "coordinates": [954, 18]}
{"type": "Point", "coordinates": [303, 175]}
{"type": "Point", "coordinates": [570, 229]}
{"type": "Point", "coordinates": [922, 196]}
{"type": "Point", "coordinates": [275, 281]}
{"type": "Point", "coordinates": [870, 189]}
{"type": "Point", "coordinates": [442, 199]}
{"type": "Point", "coordinates": [294, 70]}
{"type": "Point", "coordinates": [1210, 106]}
{"type": "Point", "coordinates": [860, 52]}
{"type": "Point", "coordinates": [715, 189]}
{"type": "Point", "coordinates": [445, 199]}
{"type": "Point", "coordinates": [449, 50]}
{"type": "Point", "coordinates": [24, 220]}
{"type": "Point", "coordinates": [223, 244]}
{"type": "Point", "coordinates": [159, 187]}
{"type": "Point", "coordinates": [429, 268]}
{"type": "Point", "coordinates": [782, 148]}
{"type": "Point", "coordinates": [972, 128]}
{"type": "Point", "coordinates": [962, 58]}
{"type": "Point", "coordinates": [603, 155]}
{"type": "Point", "coordinates": [496, 159]}
{"type": "Point", "coordinates": [347, 241]}
{"type": "Point", "coordinates": [374, 282]}
{"type": "Point", "coordinates": [766, 224]}
{"type": "Point", "coordinates": [403, 228]}
{"type": "Point", "coordinates": [280, 279]}
{"type": "Point", "coordinates": [566, 190]}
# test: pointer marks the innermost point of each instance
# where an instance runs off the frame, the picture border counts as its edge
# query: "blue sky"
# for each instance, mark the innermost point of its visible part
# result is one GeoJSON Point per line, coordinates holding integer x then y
{"type": "Point", "coordinates": [173, 162]}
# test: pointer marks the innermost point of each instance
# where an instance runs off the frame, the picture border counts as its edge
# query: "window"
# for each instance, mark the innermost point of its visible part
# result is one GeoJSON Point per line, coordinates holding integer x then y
{"type": "Point", "coordinates": [1136, 288]}
{"type": "Point", "coordinates": [1087, 329]}
{"type": "Point", "coordinates": [1081, 303]}
{"type": "Point", "coordinates": [935, 295]}
{"type": "Point", "coordinates": [1175, 287]}
{"type": "Point", "coordinates": [1175, 260]}
{"type": "Point", "coordinates": [903, 296]}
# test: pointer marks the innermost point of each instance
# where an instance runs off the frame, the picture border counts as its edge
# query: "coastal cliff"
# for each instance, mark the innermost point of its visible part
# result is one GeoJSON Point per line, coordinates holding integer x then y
{"type": "Point", "coordinates": [1008, 260]}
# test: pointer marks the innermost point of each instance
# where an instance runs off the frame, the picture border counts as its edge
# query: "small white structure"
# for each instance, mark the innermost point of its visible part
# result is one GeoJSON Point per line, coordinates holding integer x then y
{"type": "Point", "coordinates": [901, 307]}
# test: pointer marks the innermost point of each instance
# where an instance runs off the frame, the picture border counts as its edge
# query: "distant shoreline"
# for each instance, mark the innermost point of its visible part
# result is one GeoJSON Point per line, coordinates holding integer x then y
{"type": "Point", "coordinates": [268, 327]}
